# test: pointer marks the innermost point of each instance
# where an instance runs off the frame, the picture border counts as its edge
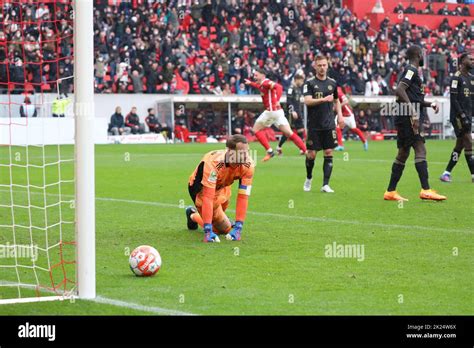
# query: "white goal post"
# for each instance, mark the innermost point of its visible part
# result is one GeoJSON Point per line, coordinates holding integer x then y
{"type": "Point", "coordinates": [39, 175]}
{"type": "Point", "coordinates": [84, 147]}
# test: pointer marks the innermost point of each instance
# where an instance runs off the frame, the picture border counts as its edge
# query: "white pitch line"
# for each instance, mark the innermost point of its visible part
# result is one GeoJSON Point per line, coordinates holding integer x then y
{"type": "Point", "coordinates": [284, 216]}
{"type": "Point", "coordinates": [293, 217]}
{"type": "Point", "coordinates": [98, 299]}
{"type": "Point", "coordinates": [369, 160]}
{"type": "Point", "coordinates": [138, 307]}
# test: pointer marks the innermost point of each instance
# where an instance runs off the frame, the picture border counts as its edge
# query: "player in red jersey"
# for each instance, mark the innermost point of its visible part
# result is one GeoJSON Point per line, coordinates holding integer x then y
{"type": "Point", "coordinates": [273, 115]}
{"type": "Point", "coordinates": [349, 121]}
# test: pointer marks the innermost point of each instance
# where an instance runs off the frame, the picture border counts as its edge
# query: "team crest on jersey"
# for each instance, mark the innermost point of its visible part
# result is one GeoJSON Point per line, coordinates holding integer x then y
{"type": "Point", "coordinates": [213, 177]}
{"type": "Point", "coordinates": [467, 92]}
{"type": "Point", "coordinates": [330, 87]}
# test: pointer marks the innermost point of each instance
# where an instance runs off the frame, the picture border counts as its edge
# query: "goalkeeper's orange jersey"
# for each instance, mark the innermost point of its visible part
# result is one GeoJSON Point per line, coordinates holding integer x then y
{"type": "Point", "coordinates": [215, 173]}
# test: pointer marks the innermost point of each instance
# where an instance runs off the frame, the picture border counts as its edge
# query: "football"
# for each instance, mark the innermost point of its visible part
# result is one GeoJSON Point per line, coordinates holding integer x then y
{"type": "Point", "coordinates": [145, 261]}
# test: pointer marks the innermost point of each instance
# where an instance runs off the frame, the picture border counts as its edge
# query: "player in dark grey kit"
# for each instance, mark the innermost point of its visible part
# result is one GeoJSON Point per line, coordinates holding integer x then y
{"type": "Point", "coordinates": [408, 121]}
{"type": "Point", "coordinates": [320, 96]}
{"type": "Point", "coordinates": [294, 110]}
{"type": "Point", "coordinates": [462, 105]}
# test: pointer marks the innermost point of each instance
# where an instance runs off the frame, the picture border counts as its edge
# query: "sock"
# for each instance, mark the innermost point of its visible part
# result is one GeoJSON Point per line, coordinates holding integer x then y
{"type": "Point", "coordinates": [262, 138]}
{"type": "Point", "coordinates": [397, 171]}
{"type": "Point", "coordinates": [453, 160]}
{"type": "Point", "coordinates": [309, 168]}
{"type": "Point", "coordinates": [298, 142]}
{"type": "Point", "coordinates": [282, 141]}
{"type": "Point", "coordinates": [327, 169]}
{"type": "Point", "coordinates": [197, 219]}
{"type": "Point", "coordinates": [469, 160]}
{"type": "Point", "coordinates": [359, 133]}
{"type": "Point", "coordinates": [422, 169]}
{"type": "Point", "coordinates": [339, 136]}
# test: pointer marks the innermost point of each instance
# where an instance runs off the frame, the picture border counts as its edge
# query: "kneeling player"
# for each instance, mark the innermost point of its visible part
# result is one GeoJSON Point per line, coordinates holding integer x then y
{"type": "Point", "coordinates": [210, 190]}
{"type": "Point", "coordinates": [462, 92]}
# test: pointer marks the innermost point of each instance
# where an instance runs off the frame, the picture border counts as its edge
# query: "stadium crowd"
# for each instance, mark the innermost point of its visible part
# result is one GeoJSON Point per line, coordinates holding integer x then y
{"type": "Point", "coordinates": [210, 47]}
{"type": "Point", "coordinates": [410, 9]}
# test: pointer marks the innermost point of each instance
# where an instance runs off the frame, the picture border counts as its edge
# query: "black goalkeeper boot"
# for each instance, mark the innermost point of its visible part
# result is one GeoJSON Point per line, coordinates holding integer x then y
{"type": "Point", "coordinates": [191, 224]}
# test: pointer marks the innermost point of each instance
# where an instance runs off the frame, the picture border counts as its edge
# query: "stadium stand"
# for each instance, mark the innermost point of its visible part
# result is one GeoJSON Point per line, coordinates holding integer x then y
{"type": "Point", "coordinates": [209, 47]}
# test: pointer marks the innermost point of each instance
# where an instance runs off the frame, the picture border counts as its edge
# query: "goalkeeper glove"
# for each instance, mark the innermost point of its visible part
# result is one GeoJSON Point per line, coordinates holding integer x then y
{"type": "Point", "coordinates": [236, 231]}
{"type": "Point", "coordinates": [209, 236]}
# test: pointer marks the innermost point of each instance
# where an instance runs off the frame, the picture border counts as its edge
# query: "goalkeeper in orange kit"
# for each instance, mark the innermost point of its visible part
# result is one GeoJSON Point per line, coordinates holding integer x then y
{"type": "Point", "coordinates": [210, 190]}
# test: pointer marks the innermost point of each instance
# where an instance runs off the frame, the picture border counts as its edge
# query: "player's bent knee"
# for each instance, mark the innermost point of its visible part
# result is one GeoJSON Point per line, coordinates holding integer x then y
{"type": "Point", "coordinates": [257, 127]}
{"type": "Point", "coordinates": [223, 226]}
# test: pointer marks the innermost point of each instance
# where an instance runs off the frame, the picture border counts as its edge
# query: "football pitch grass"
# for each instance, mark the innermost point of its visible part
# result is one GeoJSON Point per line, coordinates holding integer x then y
{"type": "Point", "coordinates": [417, 257]}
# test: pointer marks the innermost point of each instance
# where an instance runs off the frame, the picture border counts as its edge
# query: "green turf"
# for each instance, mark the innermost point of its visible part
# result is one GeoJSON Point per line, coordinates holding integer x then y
{"type": "Point", "coordinates": [418, 257]}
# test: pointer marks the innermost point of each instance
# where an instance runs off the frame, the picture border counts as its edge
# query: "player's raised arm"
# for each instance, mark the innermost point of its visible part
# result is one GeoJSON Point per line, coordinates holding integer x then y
{"type": "Point", "coordinates": [251, 83]}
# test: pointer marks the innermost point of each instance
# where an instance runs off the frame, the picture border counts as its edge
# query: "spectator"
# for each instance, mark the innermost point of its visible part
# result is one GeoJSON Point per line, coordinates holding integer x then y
{"type": "Point", "coordinates": [362, 122]}
{"type": "Point", "coordinates": [133, 121]}
{"type": "Point", "coordinates": [399, 8]}
{"type": "Point", "coordinates": [441, 66]}
{"type": "Point", "coordinates": [59, 105]}
{"type": "Point", "coordinates": [27, 109]}
{"type": "Point", "coordinates": [117, 124]}
{"type": "Point", "coordinates": [410, 9]}
{"type": "Point", "coordinates": [198, 123]}
{"type": "Point", "coordinates": [373, 120]}
{"type": "Point", "coordinates": [372, 88]}
{"type": "Point", "coordinates": [358, 84]}
{"type": "Point", "coordinates": [152, 122]}
{"type": "Point", "coordinates": [238, 122]}
{"type": "Point", "coordinates": [137, 81]}
{"type": "Point", "coordinates": [242, 90]}
{"type": "Point", "coordinates": [155, 126]}
{"type": "Point", "coordinates": [444, 11]}
{"type": "Point", "coordinates": [428, 10]}
{"type": "Point", "coordinates": [100, 71]}
{"type": "Point", "coordinates": [465, 11]}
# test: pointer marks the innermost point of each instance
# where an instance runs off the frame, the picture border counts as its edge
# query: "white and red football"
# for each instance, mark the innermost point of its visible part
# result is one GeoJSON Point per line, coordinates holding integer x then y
{"type": "Point", "coordinates": [145, 261]}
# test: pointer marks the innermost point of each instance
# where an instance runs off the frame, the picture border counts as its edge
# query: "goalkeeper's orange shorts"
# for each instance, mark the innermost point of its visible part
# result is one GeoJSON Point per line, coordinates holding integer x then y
{"type": "Point", "coordinates": [220, 204]}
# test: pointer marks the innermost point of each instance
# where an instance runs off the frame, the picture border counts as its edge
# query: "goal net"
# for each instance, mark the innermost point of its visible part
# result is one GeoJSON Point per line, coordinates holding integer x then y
{"type": "Point", "coordinates": [40, 153]}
